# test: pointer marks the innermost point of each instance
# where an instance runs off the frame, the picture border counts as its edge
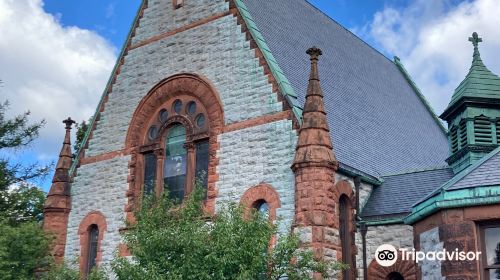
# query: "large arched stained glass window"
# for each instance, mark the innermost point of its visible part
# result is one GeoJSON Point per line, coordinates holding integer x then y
{"type": "Point", "coordinates": [174, 173]}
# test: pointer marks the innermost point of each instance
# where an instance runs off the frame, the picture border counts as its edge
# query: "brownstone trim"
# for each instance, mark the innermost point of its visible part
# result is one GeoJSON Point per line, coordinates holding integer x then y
{"type": "Point", "coordinates": [260, 192]}
{"type": "Point", "coordinates": [285, 115]}
{"type": "Point", "coordinates": [262, 61]}
{"type": "Point", "coordinates": [344, 189]}
{"type": "Point", "coordinates": [178, 30]}
{"type": "Point", "coordinates": [407, 269]}
{"type": "Point", "coordinates": [166, 91]}
{"type": "Point", "coordinates": [92, 218]}
{"type": "Point", "coordinates": [103, 157]}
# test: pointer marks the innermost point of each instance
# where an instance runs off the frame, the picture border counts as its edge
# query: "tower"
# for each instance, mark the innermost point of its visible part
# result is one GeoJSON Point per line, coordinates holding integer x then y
{"type": "Point", "coordinates": [473, 115]}
{"type": "Point", "coordinates": [314, 167]}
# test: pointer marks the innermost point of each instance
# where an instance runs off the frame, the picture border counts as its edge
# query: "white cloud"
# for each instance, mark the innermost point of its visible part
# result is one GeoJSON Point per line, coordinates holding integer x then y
{"type": "Point", "coordinates": [51, 70]}
{"type": "Point", "coordinates": [430, 37]}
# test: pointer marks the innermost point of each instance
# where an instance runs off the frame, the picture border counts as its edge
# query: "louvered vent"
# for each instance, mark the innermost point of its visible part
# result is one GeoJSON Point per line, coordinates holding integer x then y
{"type": "Point", "coordinates": [498, 131]}
{"type": "Point", "coordinates": [482, 131]}
{"type": "Point", "coordinates": [463, 133]}
{"type": "Point", "coordinates": [454, 139]}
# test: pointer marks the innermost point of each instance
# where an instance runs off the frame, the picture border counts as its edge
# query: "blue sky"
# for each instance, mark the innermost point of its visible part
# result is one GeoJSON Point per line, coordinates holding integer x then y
{"type": "Point", "coordinates": [56, 56]}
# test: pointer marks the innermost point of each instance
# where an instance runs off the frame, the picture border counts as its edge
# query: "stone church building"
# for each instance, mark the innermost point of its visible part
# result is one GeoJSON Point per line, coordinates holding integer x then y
{"type": "Point", "coordinates": [338, 142]}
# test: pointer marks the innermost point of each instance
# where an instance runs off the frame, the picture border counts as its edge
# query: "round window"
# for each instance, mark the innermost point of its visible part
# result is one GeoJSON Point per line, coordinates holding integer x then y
{"type": "Point", "coordinates": [200, 120]}
{"type": "Point", "coordinates": [177, 106]}
{"type": "Point", "coordinates": [191, 108]}
{"type": "Point", "coordinates": [153, 132]}
{"type": "Point", "coordinates": [163, 115]}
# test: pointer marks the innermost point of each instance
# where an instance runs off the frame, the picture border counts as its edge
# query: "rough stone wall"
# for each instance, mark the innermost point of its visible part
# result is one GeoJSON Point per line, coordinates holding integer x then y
{"type": "Point", "coordinates": [364, 189]}
{"type": "Point", "coordinates": [429, 241]}
{"type": "Point", "coordinates": [99, 187]}
{"type": "Point", "coordinates": [400, 236]}
{"type": "Point", "coordinates": [260, 154]}
{"type": "Point", "coordinates": [217, 50]}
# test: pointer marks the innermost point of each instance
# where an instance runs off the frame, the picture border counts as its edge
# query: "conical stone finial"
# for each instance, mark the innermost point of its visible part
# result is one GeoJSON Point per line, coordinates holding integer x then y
{"type": "Point", "coordinates": [314, 145]}
{"type": "Point", "coordinates": [61, 177]}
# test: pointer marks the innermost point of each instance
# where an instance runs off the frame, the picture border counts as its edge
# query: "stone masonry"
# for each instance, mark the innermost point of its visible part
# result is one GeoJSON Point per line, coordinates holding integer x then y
{"type": "Point", "coordinates": [217, 50]}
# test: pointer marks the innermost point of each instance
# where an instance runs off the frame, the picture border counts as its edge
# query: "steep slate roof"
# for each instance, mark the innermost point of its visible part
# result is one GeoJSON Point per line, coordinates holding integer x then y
{"type": "Point", "coordinates": [398, 193]}
{"type": "Point", "coordinates": [378, 123]}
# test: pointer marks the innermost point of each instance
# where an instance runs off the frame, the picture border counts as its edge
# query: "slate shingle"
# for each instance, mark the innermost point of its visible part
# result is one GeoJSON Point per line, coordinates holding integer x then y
{"type": "Point", "coordinates": [378, 123]}
{"type": "Point", "coordinates": [399, 192]}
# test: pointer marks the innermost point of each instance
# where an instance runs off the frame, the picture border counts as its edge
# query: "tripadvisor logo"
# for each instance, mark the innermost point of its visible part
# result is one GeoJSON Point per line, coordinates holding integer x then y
{"type": "Point", "coordinates": [387, 255]}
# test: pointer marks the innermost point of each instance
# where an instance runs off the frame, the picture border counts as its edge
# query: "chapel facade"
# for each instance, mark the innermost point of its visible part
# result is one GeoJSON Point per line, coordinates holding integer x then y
{"type": "Point", "coordinates": [335, 140]}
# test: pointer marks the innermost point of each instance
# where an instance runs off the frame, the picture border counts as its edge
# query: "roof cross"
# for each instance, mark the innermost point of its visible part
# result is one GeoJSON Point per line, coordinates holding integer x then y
{"type": "Point", "coordinates": [475, 39]}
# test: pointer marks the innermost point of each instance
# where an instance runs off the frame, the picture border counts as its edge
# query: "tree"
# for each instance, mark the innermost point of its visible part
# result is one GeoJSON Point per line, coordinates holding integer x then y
{"type": "Point", "coordinates": [19, 201]}
{"type": "Point", "coordinates": [172, 241]}
{"type": "Point", "coordinates": [81, 129]}
{"type": "Point", "coordinates": [23, 245]}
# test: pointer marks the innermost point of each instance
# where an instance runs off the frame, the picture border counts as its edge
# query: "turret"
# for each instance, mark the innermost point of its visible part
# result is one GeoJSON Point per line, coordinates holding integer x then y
{"type": "Point", "coordinates": [473, 115]}
{"type": "Point", "coordinates": [58, 203]}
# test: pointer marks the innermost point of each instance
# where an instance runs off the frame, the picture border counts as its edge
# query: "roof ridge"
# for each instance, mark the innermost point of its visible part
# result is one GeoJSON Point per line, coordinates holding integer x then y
{"type": "Point", "coordinates": [418, 171]}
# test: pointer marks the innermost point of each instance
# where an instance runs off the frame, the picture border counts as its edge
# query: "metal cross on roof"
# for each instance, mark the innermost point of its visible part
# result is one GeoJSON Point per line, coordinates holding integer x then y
{"type": "Point", "coordinates": [475, 39]}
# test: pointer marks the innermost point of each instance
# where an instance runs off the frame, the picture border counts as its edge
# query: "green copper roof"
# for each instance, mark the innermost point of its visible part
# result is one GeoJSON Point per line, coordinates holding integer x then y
{"type": "Point", "coordinates": [480, 81]}
{"type": "Point", "coordinates": [479, 184]}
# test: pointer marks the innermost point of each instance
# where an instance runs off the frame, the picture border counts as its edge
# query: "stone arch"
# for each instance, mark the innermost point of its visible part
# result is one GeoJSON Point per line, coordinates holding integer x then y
{"type": "Point", "coordinates": [343, 189]}
{"type": "Point", "coordinates": [173, 86]}
{"type": "Point", "coordinates": [92, 218]}
{"type": "Point", "coordinates": [184, 84]}
{"type": "Point", "coordinates": [406, 269]}
{"type": "Point", "coordinates": [265, 192]}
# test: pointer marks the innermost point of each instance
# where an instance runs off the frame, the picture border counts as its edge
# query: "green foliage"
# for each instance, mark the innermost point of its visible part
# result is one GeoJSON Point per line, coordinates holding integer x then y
{"type": "Point", "coordinates": [23, 245]}
{"type": "Point", "coordinates": [172, 241]}
{"type": "Point", "coordinates": [23, 203]}
{"type": "Point", "coordinates": [66, 272]}
{"type": "Point", "coordinates": [23, 248]}
{"type": "Point", "coordinates": [81, 129]}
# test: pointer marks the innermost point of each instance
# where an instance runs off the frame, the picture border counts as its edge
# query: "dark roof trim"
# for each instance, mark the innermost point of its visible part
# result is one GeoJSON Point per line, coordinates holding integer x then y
{"type": "Point", "coordinates": [352, 172]}
{"type": "Point", "coordinates": [464, 101]}
{"type": "Point", "coordinates": [412, 83]}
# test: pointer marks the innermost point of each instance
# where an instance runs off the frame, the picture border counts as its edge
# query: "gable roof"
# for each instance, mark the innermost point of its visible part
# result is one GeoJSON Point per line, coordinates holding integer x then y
{"type": "Point", "coordinates": [399, 192]}
{"type": "Point", "coordinates": [479, 184]}
{"type": "Point", "coordinates": [378, 123]}
{"type": "Point", "coordinates": [483, 173]}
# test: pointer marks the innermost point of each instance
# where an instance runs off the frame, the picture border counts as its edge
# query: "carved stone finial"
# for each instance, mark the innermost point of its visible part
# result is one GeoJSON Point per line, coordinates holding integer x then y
{"type": "Point", "coordinates": [475, 39]}
{"type": "Point", "coordinates": [314, 52]}
{"type": "Point", "coordinates": [68, 122]}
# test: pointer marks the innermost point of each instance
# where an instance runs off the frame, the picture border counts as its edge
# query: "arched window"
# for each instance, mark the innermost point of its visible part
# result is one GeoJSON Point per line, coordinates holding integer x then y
{"type": "Point", "coordinates": [262, 207]}
{"type": "Point", "coordinates": [176, 148]}
{"type": "Point", "coordinates": [345, 234]}
{"type": "Point", "coordinates": [174, 174]}
{"type": "Point", "coordinates": [395, 276]}
{"type": "Point", "coordinates": [93, 243]}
